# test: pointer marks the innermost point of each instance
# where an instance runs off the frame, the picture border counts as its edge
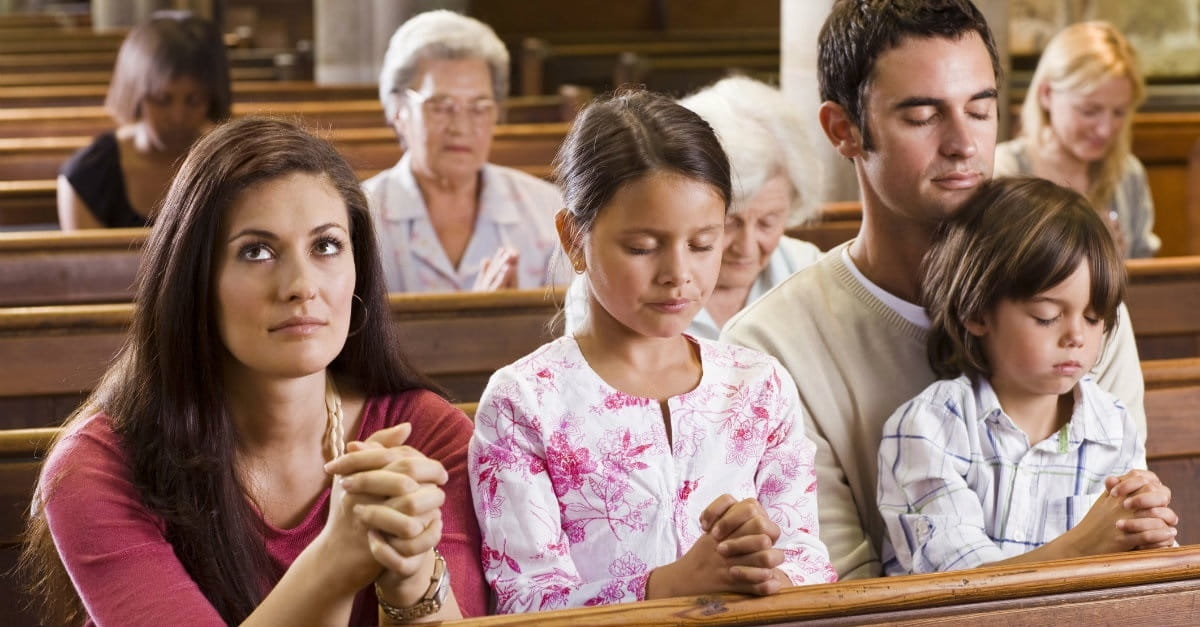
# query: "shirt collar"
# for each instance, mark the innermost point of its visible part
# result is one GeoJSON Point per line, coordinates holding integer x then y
{"type": "Point", "coordinates": [495, 205]}
{"type": "Point", "coordinates": [1089, 418]}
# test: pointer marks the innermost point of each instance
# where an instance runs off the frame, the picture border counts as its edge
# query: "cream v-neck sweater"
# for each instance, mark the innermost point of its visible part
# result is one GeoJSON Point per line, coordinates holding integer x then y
{"type": "Point", "coordinates": [855, 360]}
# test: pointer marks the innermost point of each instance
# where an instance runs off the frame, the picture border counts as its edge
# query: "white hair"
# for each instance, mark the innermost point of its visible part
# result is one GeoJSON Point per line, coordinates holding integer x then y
{"type": "Point", "coordinates": [764, 135]}
{"type": "Point", "coordinates": [439, 35]}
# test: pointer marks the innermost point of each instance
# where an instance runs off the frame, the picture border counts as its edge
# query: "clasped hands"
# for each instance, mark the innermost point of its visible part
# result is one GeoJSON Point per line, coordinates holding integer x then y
{"type": "Point", "coordinates": [389, 498]}
{"type": "Point", "coordinates": [1133, 513]}
{"type": "Point", "coordinates": [736, 553]}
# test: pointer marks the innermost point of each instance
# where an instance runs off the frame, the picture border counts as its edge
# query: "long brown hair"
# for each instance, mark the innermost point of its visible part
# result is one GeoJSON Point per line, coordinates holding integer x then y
{"type": "Point", "coordinates": [163, 394]}
{"type": "Point", "coordinates": [1015, 238]}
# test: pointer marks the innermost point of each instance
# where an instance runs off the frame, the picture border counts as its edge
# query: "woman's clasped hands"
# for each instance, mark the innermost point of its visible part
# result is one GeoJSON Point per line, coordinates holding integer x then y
{"type": "Point", "coordinates": [386, 501]}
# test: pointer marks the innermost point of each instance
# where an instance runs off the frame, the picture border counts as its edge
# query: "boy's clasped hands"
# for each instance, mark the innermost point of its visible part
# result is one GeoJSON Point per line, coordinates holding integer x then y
{"type": "Point", "coordinates": [1133, 513]}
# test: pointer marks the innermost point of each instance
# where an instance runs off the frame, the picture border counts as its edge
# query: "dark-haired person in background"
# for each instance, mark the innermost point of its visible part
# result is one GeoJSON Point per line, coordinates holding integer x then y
{"type": "Point", "coordinates": [170, 85]}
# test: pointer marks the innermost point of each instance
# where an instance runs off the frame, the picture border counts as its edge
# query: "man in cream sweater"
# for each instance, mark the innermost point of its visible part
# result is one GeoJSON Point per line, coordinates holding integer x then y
{"type": "Point", "coordinates": [909, 90]}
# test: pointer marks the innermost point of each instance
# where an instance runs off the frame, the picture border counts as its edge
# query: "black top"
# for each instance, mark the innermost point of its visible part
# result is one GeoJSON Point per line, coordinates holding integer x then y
{"type": "Point", "coordinates": [95, 173]}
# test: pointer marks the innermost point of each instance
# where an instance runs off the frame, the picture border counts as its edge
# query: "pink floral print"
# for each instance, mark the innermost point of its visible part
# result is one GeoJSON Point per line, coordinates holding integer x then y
{"type": "Point", "coordinates": [580, 495]}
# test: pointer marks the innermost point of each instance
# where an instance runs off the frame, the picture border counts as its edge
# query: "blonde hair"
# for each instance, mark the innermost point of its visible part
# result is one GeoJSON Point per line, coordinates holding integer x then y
{"type": "Point", "coordinates": [1078, 59]}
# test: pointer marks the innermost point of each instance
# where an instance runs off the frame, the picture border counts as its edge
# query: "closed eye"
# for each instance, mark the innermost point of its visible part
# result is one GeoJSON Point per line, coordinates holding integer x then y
{"type": "Point", "coordinates": [1046, 321]}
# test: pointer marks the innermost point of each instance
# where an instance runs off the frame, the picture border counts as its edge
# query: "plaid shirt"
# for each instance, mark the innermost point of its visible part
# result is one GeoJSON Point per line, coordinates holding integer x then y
{"type": "Point", "coordinates": [960, 486]}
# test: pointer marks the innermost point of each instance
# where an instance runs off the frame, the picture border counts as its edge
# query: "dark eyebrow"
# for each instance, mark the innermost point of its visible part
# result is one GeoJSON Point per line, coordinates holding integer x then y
{"type": "Point", "coordinates": [264, 234]}
{"type": "Point", "coordinates": [925, 101]}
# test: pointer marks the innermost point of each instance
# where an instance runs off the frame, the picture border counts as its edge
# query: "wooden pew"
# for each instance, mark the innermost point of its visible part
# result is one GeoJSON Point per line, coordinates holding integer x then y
{"type": "Point", "coordinates": [75, 41]}
{"type": "Point", "coordinates": [545, 65]}
{"type": "Point", "coordinates": [31, 158]}
{"type": "Point", "coordinates": [1143, 587]}
{"type": "Point", "coordinates": [28, 202]}
{"type": "Point", "coordinates": [48, 268]}
{"type": "Point", "coordinates": [368, 113]}
{"type": "Point", "coordinates": [104, 60]}
{"type": "Point", "coordinates": [102, 77]}
{"type": "Point", "coordinates": [680, 76]}
{"type": "Point", "coordinates": [51, 357]}
{"type": "Point", "coordinates": [1162, 586]}
{"type": "Point", "coordinates": [243, 91]}
{"type": "Point", "coordinates": [48, 20]}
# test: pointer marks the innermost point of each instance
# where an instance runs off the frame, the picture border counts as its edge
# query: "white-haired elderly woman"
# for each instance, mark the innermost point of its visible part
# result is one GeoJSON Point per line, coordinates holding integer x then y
{"type": "Point", "coordinates": [447, 220]}
{"type": "Point", "coordinates": [775, 185]}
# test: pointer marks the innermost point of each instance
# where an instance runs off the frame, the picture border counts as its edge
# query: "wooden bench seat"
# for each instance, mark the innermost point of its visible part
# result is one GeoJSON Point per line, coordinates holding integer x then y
{"type": "Point", "coordinates": [1155, 587]}
{"type": "Point", "coordinates": [376, 148]}
{"type": "Point", "coordinates": [243, 91]}
{"type": "Point", "coordinates": [1160, 587]}
{"type": "Point", "coordinates": [75, 41]}
{"type": "Point", "coordinates": [545, 65]}
{"type": "Point", "coordinates": [368, 113]}
{"type": "Point", "coordinates": [53, 21]}
{"type": "Point", "coordinates": [102, 77]}
{"type": "Point", "coordinates": [50, 357]}
{"type": "Point", "coordinates": [679, 75]}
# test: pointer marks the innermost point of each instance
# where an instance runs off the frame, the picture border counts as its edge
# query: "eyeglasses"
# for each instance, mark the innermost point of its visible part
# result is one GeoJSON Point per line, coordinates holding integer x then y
{"type": "Point", "coordinates": [442, 109]}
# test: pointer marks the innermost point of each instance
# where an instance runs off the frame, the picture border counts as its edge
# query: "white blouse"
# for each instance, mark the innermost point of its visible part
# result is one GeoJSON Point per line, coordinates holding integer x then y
{"type": "Point", "coordinates": [580, 494]}
{"type": "Point", "coordinates": [516, 210]}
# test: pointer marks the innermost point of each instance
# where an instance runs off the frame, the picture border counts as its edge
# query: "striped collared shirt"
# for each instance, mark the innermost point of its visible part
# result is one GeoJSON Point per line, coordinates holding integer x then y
{"type": "Point", "coordinates": [960, 486]}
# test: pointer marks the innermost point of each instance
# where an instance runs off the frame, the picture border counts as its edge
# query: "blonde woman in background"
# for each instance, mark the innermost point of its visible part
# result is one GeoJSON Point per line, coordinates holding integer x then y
{"type": "Point", "coordinates": [1076, 127]}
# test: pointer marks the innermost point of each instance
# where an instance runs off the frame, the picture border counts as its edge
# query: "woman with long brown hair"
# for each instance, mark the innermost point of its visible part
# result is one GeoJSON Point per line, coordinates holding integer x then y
{"type": "Point", "coordinates": [260, 452]}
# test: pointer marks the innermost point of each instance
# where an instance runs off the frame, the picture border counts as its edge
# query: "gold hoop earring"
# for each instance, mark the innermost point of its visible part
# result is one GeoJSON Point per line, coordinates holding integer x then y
{"type": "Point", "coordinates": [361, 323]}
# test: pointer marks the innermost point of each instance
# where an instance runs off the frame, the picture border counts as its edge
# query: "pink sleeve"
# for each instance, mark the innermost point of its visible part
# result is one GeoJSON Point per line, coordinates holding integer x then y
{"type": "Point", "coordinates": [441, 431]}
{"type": "Point", "coordinates": [122, 566]}
{"type": "Point", "coordinates": [787, 487]}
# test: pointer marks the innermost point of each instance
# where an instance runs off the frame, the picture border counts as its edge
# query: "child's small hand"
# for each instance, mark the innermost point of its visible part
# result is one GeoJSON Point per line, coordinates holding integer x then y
{"type": "Point", "coordinates": [735, 554]}
{"type": "Point", "coordinates": [1141, 490]}
{"type": "Point", "coordinates": [1109, 527]}
{"type": "Point", "coordinates": [1148, 500]}
{"type": "Point", "coordinates": [739, 527]}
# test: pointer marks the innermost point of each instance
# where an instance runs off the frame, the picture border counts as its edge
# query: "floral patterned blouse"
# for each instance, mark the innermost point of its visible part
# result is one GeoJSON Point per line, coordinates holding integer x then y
{"type": "Point", "coordinates": [580, 495]}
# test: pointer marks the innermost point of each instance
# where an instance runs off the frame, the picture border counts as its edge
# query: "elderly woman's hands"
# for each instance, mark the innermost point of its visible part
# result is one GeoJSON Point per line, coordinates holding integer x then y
{"type": "Point", "coordinates": [398, 499]}
{"type": "Point", "coordinates": [498, 272]}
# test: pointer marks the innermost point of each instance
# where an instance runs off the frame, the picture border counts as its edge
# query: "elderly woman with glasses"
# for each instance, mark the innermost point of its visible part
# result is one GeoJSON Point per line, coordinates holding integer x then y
{"type": "Point", "coordinates": [448, 220]}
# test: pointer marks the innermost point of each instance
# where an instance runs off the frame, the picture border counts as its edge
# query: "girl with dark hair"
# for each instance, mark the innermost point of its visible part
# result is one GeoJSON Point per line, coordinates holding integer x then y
{"type": "Point", "coordinates": [629, 460]}
{"type": "Point", "coordinates": [260, 452]}
{"type": "Point", "coordinates": [1016, 455]}
{"type": "Point", "coordinates": [170, 85]}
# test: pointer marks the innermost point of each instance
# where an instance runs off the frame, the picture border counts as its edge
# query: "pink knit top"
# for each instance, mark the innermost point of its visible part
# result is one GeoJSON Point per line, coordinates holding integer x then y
{"type": "Point", "coordinates": [126, 572]}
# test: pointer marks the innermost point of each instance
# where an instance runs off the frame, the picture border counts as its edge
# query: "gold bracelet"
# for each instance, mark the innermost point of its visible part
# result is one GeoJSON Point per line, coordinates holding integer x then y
{"type": "Point", "coordinates": [431, 603]}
